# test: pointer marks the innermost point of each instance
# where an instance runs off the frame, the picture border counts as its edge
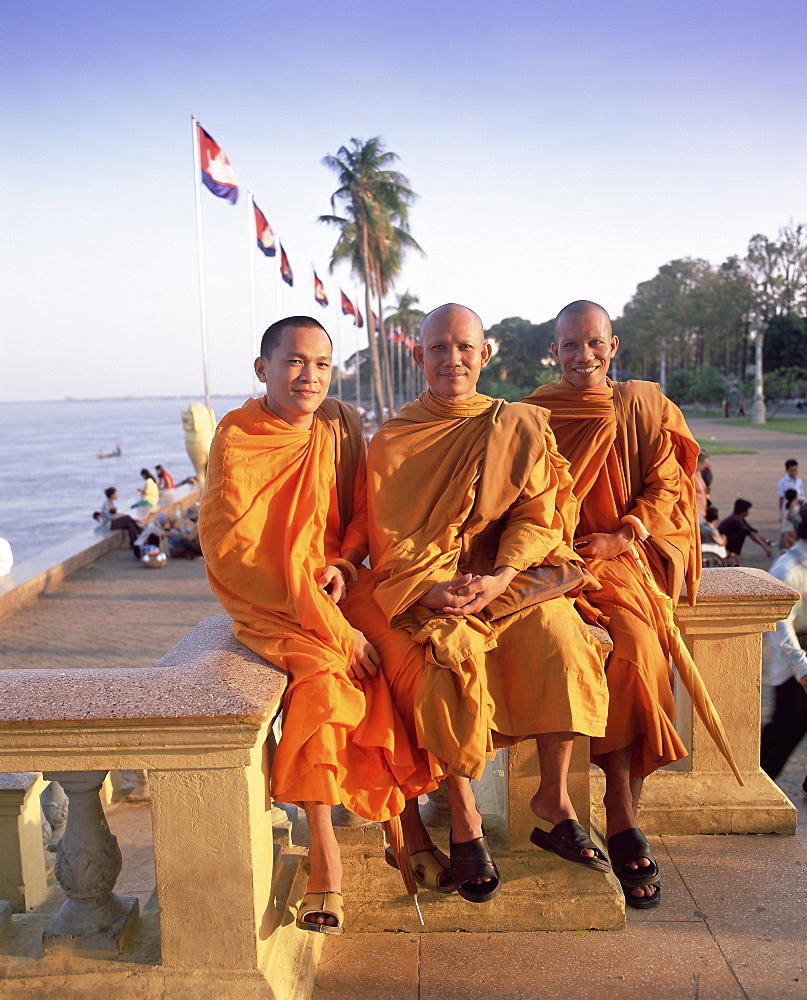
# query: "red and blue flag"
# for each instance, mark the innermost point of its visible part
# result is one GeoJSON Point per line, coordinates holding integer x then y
{"type": "Point", "coordinates": [348, 309]}
{"type": "Point", "coordinates": [266, 237]}
{"type": "Point", "coordinates": [217, 174]}
{"type": "Point", "coordinates": [285, 267]}
{"type": "Point", "coordinates": [319, 291]}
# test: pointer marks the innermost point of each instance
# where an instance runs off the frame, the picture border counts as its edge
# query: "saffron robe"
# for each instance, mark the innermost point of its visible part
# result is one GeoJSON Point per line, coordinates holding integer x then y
{"type": "Point", "coordinates": [631, 452]}
{"type": "Point", "coordinates": [456, 487]}
{"type": "Point", "coordinates": [279, 505]}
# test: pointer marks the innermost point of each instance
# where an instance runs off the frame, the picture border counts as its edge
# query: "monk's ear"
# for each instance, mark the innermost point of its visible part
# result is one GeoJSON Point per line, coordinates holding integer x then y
{"type": "Point", "coordinates": [487, 353]}
{"type": "Point", "coordinates": [260, 369]}
{"type": "Point", "coordinates": [614, 344]}
{"type": "Point", "coordinates": [417, 356]}
{"type": "Point", "coordinates": [554, 349]}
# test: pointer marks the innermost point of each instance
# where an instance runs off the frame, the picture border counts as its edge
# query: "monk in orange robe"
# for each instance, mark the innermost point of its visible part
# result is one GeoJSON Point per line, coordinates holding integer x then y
{"type": "Point", "coordinates": [633, 461]}
{"type": "Point", "coordinates": [466, 495]}
{"type": "Point", "coordinates": [283, 518]}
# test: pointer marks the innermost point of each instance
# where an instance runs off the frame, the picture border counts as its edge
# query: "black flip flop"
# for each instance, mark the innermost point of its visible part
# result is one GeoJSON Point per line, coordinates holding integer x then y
{"type": "Point", "coordinates": [568, 840]}
{"type": "Point", "coordinates": [472, 860]}
{"type": "Point", "coordinates": [629, 846]}
{"type": "Point", "coordinates": [643, 902]}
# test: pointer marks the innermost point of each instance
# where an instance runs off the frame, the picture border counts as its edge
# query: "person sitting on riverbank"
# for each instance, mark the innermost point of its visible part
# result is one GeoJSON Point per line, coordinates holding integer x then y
{"type": "Point", "coordinates": [165, 481]}
{"type": "Point", "coordinates": [149, 491]}
{"type": "Point", "coordinates": [736, 529]}
{"type": "Point", "coordinates": [108, 517]}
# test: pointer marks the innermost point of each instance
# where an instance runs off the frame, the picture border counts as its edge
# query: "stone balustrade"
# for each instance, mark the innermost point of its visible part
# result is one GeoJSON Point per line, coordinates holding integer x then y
{"type": "Point", "coordinates": [199, 721]}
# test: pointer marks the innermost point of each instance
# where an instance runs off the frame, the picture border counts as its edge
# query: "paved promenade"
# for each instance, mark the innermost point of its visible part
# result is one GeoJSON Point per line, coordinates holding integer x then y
{"type": "Point", "coordinates": [733, 923]}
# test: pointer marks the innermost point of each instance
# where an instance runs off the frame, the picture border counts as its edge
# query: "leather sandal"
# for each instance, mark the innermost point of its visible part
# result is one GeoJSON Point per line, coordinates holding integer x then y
{"type": "Point", "coordinates": [643, 902]}
{"type": "Point", "coordinates": [568, 840]}
{"type": "Point", "coordinates": [627, 846]}
{"type": "Point", "coordinates": [330, 904]}
{"type": "Point", "coordinates": [431, 868]}
{"type": "Point", "coordinates": [472, 860]}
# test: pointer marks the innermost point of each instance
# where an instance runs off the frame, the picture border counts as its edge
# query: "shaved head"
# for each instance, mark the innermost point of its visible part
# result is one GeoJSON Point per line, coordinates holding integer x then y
{"type": "Point", "coordinates": [584, 344]}
{"type": "Point", "coordinates": [582, 307]}
{"type": "Point", "coordinates": [448, 315]}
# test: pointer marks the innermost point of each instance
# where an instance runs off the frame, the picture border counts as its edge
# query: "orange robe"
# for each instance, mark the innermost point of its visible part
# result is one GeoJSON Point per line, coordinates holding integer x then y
{"type": "Point", "coordinates": [469, 486]}
{"type": "Point", "coordinates": [280, 504]}
{"type": "Point", "coordinates": [631, 452]}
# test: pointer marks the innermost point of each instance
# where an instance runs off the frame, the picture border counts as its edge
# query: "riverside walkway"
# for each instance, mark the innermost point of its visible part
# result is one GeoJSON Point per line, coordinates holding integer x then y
{"type": "Point", "coordinates": [732, 923]}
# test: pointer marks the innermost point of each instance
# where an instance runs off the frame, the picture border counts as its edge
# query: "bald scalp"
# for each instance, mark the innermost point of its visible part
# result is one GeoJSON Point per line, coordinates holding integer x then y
{"type": "Point", "coordinates": [581, 307]}
{"type": "Point", "coordinates": [445, 316]}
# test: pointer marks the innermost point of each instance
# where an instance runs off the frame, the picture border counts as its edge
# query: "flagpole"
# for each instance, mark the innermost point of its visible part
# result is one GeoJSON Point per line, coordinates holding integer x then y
{"type": "Point", "coordinates": [358, 354]}
{"type": "Point", "coordinates": [252, 235]}
{"type": "Point", "coordinates": [279, 256]}
{"type": "Point", "coordinates": [338, 346]}
{"type": "Point", "coordinates": [200, 255]}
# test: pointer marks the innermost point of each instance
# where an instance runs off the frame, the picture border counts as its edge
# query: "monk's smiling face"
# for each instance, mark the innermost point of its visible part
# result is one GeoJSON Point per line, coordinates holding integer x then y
{"type": "Point", "coordinates": [297, 374]}
{"type": "Point", "coordinates": [452, 351]}
{"type": "Point", "coordinates": [584, 346]}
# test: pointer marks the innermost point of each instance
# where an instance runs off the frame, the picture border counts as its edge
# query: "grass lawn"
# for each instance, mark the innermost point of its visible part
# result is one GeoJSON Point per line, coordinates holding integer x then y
{"type": "Point", "coordinates": [716, 448]}
{"type": "Point", "coordinates": [787, 425]}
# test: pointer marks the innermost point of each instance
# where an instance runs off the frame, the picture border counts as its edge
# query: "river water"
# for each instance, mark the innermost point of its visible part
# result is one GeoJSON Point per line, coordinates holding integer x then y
{"type": "Point", "coordinates": [51, 479]}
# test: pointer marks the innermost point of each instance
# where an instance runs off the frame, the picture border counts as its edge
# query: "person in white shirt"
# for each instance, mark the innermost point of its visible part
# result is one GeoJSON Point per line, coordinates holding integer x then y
{"type": "Point", "coordinates": [790, 481]}
{"type": "Point", "coordinates": [784, 663]}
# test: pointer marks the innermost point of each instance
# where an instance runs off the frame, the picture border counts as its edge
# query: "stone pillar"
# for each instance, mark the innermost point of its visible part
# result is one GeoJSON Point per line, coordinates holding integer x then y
{"type": "Point", "coordinates": [724, 634]}
{"type": "Point", "coordinates": [22, 864]}
{"type": "Point", "coordinates": [92, 919]}
{"type": "Point", "coordinates": [213, 854]}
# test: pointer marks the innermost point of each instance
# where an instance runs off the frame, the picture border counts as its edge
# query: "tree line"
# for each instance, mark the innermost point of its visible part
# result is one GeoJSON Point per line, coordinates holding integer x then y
{"type": "Point", "coordinates": [692, 327]}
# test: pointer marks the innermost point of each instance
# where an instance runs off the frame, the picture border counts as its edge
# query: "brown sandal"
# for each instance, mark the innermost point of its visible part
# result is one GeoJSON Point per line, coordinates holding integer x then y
{"type": "Point", "coordinates": [431, 868]}
{"type": "Point", "coordinates": [328, 903]}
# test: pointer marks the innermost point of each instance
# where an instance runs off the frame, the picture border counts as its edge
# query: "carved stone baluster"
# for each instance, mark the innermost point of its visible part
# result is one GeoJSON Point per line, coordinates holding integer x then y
{"type": "Point", "coordinates": [88, 862]}
{"type": "Point", "coordinates": [54, 810]}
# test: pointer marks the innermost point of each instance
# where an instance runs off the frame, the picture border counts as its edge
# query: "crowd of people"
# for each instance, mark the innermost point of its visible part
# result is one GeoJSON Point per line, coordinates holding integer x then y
{"type": "Point", "coordinates": [171, 529]}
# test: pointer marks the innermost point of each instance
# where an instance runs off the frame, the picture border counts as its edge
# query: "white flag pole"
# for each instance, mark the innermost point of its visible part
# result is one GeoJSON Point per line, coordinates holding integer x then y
{"type": "Point", "coordinates": [252, 236]}
{"type": "Point", "coordinates": [338, 348]}
{"type": "Point", "coordinates": [357, 366]}
{"type": "Point", "coordinates": [277, 277]}
{"type": "Point", "coordinates": [200, 255]}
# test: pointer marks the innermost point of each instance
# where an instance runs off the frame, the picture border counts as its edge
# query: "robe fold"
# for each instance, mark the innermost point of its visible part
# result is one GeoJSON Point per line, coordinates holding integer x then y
{"type": "Point", "coordinates": [279, 505]}
{"type": "Point", "coordinates": [631, 452]}
{"type": "Point", "coordinates": [467, 487]}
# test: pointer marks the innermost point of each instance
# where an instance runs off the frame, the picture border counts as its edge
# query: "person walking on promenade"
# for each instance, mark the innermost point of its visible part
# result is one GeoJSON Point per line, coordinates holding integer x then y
{"type": "Point", "coordinates": [790, 480]}
{"type": "Point", "coordinates": [283, 527]}
{"type": "Point", "coordinates": [784, 663]}
{"type": "Point", "coordinates": [633, 461]}
{"type": "Point", "coordinates": [736, 529]}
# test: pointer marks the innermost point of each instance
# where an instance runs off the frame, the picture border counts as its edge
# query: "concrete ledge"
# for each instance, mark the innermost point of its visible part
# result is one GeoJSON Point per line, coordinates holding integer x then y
{"type": "Point", "coordinates": [44, 572]}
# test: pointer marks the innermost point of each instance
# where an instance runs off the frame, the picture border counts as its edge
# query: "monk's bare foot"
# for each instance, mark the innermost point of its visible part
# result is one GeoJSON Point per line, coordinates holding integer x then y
{"type": "Point", "coordinates": [555, 811]}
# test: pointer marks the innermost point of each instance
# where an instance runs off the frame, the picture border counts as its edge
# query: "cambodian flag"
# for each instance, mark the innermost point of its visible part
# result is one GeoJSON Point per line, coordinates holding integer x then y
{"type": "Point", "coordinates": [348, 309]}
{"type": "Point", "coordinates": [217, 174]}
{"type": "Point", "coordinates": [359, 319]}
{"type": "Point", "coordinates": [285, 268]}
{"type": "Point", "coordinates": [398, 336]}
{"type": "Point", "coordinates": [376, 324]}
{"type": "Point", "coordinates": [266, 238]}
{"type": "Point", "coordinates": [319, 291]}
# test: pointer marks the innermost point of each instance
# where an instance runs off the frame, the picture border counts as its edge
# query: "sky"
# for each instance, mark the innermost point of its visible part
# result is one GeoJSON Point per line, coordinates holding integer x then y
{"type": "Point", "coordinates": [559, 150]}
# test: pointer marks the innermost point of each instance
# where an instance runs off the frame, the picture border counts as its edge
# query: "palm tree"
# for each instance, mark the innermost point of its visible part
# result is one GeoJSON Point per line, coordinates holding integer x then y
{"type": "Point", "coordinates": [373, 226]}
{"type": "Point", "coordinates": [408, 318]}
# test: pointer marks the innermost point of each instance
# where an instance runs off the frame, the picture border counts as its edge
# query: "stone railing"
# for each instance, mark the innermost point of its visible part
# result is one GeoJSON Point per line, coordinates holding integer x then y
{"type": "Point", "coordinates": [198, 721]}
